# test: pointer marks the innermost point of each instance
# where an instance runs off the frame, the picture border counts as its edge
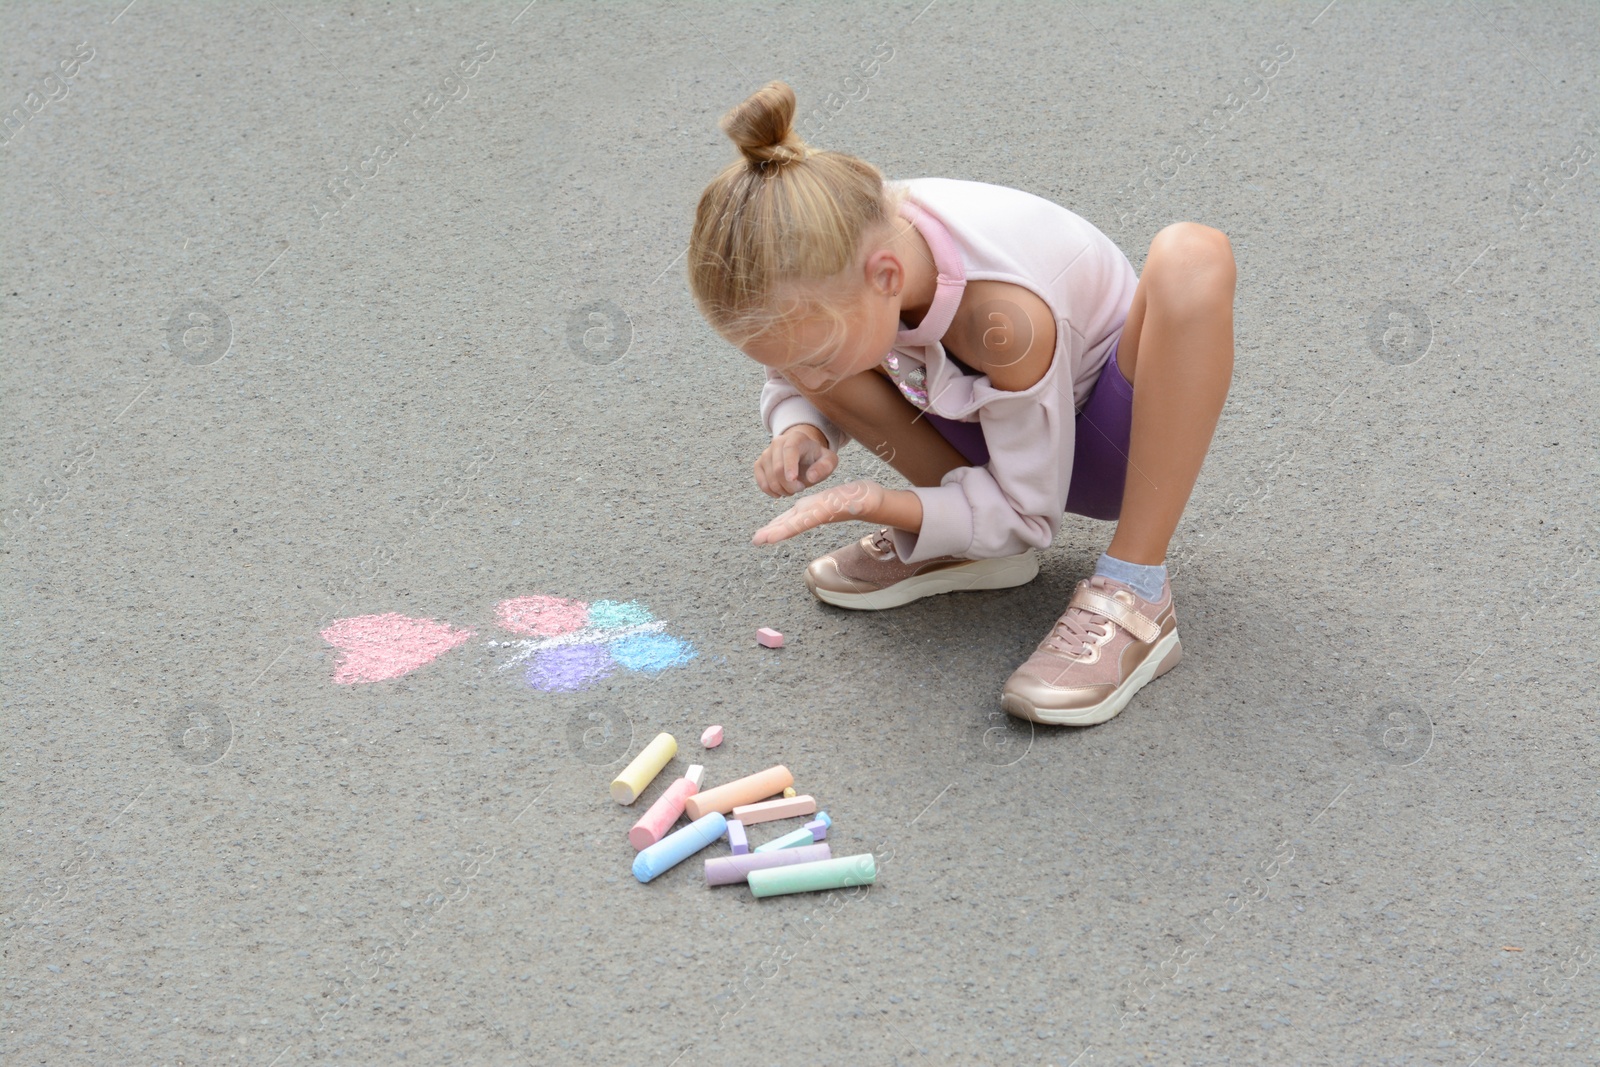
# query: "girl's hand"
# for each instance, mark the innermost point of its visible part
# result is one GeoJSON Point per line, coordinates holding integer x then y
{"type": "Point", "coordinates": [801, 449]}
{"type": "Point", "coordinates": [861, 500]}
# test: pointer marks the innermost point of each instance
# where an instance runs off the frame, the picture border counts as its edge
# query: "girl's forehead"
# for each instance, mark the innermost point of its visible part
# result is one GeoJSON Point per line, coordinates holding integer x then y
{"type": "Point", "coordinates": [795, 335]}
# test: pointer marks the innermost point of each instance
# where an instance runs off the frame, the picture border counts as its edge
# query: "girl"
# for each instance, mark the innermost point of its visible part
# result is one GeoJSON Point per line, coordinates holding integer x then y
{"type": "Point", "coordinates": [1000, 353]}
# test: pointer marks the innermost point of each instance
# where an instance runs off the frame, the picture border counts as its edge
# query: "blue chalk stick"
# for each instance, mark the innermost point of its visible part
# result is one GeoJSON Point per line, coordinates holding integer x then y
{"type": "Point", "coordinates": [679, 846]}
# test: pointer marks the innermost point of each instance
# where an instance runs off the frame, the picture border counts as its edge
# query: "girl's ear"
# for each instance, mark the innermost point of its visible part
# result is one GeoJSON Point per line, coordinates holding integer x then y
{"type": "Point", "coordinates": [884, 272]}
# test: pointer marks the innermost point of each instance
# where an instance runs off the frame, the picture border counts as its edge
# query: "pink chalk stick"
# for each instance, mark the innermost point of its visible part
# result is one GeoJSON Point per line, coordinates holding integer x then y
{"type": "Point", "coordinates": [655, 823]}
{"type": "Point", "coordinates": [737, 838]}
{"type": "Point", "coordinates": [712, 737]}
{"type": "Point", "coordinates": [726, 870]}
{"type": "Point", "coordinates": [769, 637]}
{"type": "Point", "coordinates": [768, 810]}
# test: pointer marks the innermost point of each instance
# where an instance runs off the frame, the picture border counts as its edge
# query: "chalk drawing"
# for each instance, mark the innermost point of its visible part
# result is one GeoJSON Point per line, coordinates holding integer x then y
{"type": "Point", "coordinates": [567, 645]}
{"type": "Point", "coordinates": [589, 644]}
{"type": "Point", "coordinates": [376, 648]}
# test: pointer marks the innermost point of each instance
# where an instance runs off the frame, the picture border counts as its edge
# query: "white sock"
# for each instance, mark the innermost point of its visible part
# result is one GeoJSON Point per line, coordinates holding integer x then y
{"type": "Point", "coordinates": [1143, 579]}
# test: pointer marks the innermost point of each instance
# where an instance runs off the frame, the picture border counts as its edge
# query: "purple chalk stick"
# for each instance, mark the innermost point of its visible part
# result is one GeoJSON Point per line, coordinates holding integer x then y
{"type": "Point", "coordinates": [730, 869]}
{"type": "Point", "coordinates": [819, 827]}
{"type": "Point", "coordinates": [736, 838]}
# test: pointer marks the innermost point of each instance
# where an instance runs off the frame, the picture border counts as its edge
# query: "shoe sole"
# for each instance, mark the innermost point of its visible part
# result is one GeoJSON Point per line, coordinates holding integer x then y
{"type": "Point", "coordinates": [980, 574]}
{"type": "Point", "coordinates": [1164, 657]}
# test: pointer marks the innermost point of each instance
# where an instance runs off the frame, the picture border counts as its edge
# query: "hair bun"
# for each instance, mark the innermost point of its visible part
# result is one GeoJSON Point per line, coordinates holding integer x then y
{"type": "Point", "coordinates": [763, 127]}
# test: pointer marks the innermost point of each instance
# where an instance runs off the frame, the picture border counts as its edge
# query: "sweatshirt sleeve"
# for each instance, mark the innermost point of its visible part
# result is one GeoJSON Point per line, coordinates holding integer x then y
{"type": "Point", "coordinates": [1013, 503]}
{"type": "Point", "coordinates": [782, 406]}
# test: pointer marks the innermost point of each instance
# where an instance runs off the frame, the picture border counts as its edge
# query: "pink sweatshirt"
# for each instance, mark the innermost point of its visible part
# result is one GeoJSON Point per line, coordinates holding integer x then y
{"type": "Point", "coordinates": [977, 232]}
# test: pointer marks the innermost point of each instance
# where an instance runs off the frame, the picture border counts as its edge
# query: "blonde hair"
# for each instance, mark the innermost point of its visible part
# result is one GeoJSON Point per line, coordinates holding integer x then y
{"type": "Point", "coordinates": [776, 232]}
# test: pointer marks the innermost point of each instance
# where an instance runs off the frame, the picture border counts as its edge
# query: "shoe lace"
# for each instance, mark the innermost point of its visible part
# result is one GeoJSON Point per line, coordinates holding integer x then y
{"type": "Point", "coordinates": [882, 541]}
{"type": "Point", "coordinates": [1071, 633]}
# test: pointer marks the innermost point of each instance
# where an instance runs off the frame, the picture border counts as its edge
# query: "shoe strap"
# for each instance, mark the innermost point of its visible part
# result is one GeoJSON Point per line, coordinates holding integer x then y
{"type": "Point", "coordinates": [1138, 625]}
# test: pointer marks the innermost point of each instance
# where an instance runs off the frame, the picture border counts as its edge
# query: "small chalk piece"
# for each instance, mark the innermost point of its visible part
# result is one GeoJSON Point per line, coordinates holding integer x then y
{"type": "Point", "coordinates": [737, 838]}
{"type": "Point", "coordinates": [788, 793]}
{"type": "Point", "coordinates": [696, 774]}
{"type": "Point", "coordinates": [712, 737]}
{"type": "Point", "coordinates": [819, 826]}
{"type": "Point", "coordinates": [769, 637]}
{"type": "Point", "coordinates": [769, 810]}
{"type": "Point", "coordinates": [798, 839]}
{"type": "Point", "coordinates": [810, 877]}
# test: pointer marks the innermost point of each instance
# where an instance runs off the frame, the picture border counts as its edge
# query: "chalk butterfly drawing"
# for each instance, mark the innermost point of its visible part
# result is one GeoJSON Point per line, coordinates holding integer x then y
{"type": "Point", "coordinates": [566, 645]}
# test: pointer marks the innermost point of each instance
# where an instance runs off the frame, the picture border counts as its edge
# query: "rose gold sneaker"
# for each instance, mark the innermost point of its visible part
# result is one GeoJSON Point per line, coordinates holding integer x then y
{"type": "Point", "coordinates": [1105, 647]}
{"type": "Point", "coordinates": [868, 575]}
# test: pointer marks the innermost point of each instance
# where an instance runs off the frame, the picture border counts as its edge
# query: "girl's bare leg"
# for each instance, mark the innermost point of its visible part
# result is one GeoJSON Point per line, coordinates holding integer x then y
{"type": "Point", "coordinates": [870, 409]}
{"type": "Point", "coordinates": [1177, 349]}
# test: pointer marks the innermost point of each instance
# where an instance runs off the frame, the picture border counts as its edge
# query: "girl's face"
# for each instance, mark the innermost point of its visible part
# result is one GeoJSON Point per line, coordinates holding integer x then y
{"type": "Point", "coordinates": [804, 352]}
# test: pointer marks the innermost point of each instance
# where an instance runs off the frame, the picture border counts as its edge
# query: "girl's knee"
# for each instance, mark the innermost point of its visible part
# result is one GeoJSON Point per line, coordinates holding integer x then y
{"type": "Point", "coordinates": [1192, 263]}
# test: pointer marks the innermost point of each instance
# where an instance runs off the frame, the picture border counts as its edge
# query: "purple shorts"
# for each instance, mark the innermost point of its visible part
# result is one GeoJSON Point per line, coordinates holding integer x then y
{"type": "Point", "coordinates": [1100, 453]}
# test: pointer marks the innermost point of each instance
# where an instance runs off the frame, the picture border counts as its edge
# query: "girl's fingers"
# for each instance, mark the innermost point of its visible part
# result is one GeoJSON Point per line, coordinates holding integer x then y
{"type": "Point", "coordinates": [797, 519]}
{"type": "Point", "coordinates": [791, 467]}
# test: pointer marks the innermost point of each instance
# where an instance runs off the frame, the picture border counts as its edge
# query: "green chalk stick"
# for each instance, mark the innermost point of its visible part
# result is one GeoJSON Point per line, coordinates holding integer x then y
{"type": "Point", "coordinates": [810, 877]}
{"type": "Point", "coordinates": [797, 839]}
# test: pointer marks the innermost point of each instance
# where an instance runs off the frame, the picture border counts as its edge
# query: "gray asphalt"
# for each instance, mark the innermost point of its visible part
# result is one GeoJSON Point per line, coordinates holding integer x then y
{"type": "Point", "coordinates": [1357, 825]}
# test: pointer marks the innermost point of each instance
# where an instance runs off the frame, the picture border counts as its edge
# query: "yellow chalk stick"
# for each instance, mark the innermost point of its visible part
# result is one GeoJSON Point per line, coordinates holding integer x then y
{"type": "Point", "coordinates": [642, 771]}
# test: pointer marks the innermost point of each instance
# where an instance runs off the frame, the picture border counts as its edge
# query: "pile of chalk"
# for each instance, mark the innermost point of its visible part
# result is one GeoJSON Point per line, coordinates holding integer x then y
{"type": "Point", "coordinates": [796, 862]}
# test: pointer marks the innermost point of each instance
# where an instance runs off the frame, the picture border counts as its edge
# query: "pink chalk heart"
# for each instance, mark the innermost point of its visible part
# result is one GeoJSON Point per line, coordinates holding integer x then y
{"type": "Point", "coordinates": [541, 616]}
{"type": "Point", "coordinates": [376, 648]}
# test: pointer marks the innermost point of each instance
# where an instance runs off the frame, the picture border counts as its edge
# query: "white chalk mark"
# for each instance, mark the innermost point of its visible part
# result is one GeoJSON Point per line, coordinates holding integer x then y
{"type": "Point", "coordinates": [724, 56]}
{"type": "Point", "coordinates": [931, 803]}
{"type": "Point", "coordinates": [681, 1055]}
{"type": "Point", "coordinates": [921, 13]}
{"type": "Point", "coordinates": [286, 1048]}
{"type": "Point", "coordinates": [587, 635]}
{"type": "Point", "coordinates": [273, 664]}
{"type": "Point", "coordinates": [669, 266]}
{"type": "Point", "coordinates": [1331, 803]}
{"type": "Point", "coordinates": [132, 402]}
{"type": "Point", "coordinates": [1474, 263]}
{"type": "Point", "coordinates": [1324, 11]}
{"type": "Point", "coordinates": [123, 12]}
{"type": "Point", "coordinates": [1469, 666]}
{"type": "Point", "coordinates": [532, 402]}
{"type": "Point", "coordinates": [535, 800]}
{"type": "Point", "coordinates": [524, 11]}
{"type": "Point", "coordinates": [901, 1034]}
{"type": "Point", "coordinates": [1329, 408]}
{"type": "Point", "coordinates": [1080, 1056]}
{"type": "Point", "coordinates": [274, 263]}
{"type": "Point", "coordinates": [131, 803]}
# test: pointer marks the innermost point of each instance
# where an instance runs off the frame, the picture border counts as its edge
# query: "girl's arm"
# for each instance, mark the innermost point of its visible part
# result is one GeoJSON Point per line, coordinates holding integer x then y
{"type": "Point", "coordinates": [861, 501]}
{"type": "Point", "coordinates": [783, 406]}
